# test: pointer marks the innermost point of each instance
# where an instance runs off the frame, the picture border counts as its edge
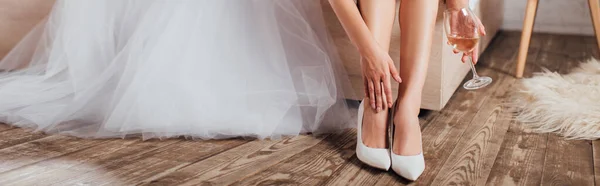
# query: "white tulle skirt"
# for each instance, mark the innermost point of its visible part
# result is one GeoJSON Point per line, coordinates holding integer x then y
{"type": "Point", "coordinates": [169, 68]}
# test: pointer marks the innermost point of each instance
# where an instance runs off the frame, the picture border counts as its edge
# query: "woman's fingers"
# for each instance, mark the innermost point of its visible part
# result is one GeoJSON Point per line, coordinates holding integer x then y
{"type": "Point", "coordinates": [387, 92]}
{"type": "Point", "coordinates": [387, 84]}
{"type": "Point", "coordinates": [465, 57]}
{"type": "Point", "coordinates": [384, 95]}
{"type": "Point", "coordinates": [394, 72]}
{"type": "Point", "coordinates": [378, 90]}
{"type": "Point", "coordinates": [372, 94]}
{"type": "Point", "coordinates": [475, 54]}
{"type": "Point", "coordinates": [481, 27]}
{"type": "Point", "coordinates": [377, 94]}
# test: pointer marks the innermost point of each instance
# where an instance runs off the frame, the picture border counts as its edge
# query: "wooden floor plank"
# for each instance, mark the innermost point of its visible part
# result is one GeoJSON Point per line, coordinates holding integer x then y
{"type": "Point", "coordinates": [356, 172]}
{"type": "Point", "coordinates": [393, 179]}
{"type": "Point", "coordinates": [547, 59]}
{"type": "Point", "coordinates": [183, 155]}
{"type": "Point", "coordinates": [570, 45]}
{"type": "Point", "coordinates": [521, 158]}
{"type": "Point", "coordinates": [152, 159]}
{"type": "Point", "coordinates": [99, 161]}
{"type": "Point", "coordinates": [42, 149]}
{"type": "Point", "coordinates": [596, 154]}
{"type": "Point", "coordinates": [18, 136]}
{"type": "Point", "coordinates": [595, 51]}
{"type": "Point", "coordinates": [426, 116]}
{"type": "Point", "coordinates": [568, 162]}
{"type": "Point", "coordinates": [240, 162]}
{"type": "Point", "coordinates": [4, 127]}
{"type": "Point", "coordinates": [478, 147]}
{"type": "Point", "coordinates": [54, 170]}
{"type": "Point", "coordinates": [310, 167]}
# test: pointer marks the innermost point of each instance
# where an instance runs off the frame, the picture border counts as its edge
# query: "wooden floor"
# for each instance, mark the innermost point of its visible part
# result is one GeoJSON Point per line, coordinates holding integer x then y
{"type": "Point", "coordinates": [470, 142]}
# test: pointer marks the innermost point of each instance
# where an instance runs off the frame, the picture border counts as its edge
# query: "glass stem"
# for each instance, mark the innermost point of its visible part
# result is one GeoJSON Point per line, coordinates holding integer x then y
{"type": "Point", "coordinates": [475, 75]}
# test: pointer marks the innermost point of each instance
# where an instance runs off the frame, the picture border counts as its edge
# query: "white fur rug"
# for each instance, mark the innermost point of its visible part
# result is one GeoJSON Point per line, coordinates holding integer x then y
{"type": "Point", "coordinates": [568, 105]}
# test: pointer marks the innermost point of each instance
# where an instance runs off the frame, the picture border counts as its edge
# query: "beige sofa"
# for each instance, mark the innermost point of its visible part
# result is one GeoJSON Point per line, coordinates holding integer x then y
{"type": "Point", "coordinates": [445, 72]}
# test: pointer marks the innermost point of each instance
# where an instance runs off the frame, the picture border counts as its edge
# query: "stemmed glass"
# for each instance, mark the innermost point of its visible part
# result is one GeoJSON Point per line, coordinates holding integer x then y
{"type": "Point", "coordinates": [462, 30]}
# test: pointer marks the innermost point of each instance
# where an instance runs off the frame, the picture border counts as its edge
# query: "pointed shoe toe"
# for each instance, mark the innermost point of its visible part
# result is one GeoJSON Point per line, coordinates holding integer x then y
{"type": "Point", "coordinates": [377, 158]}
{"type": "Point", "coordinates": [409, 167]}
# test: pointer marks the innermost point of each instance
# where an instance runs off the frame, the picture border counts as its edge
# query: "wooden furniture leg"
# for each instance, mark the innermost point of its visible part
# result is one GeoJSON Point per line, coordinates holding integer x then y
{"type": "Point", "coordinates": [526, 35]}
{"type": "Point", "coordinates": [595, 12]}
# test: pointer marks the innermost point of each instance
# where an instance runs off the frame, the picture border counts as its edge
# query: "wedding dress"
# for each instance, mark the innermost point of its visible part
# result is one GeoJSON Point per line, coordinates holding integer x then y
{"type": "Point", "coordinates": [167, 68]}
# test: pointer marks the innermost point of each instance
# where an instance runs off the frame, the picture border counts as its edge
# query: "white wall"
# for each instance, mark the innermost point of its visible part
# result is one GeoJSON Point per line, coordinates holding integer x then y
{"type": "Point", "coordinates": [553, 16]}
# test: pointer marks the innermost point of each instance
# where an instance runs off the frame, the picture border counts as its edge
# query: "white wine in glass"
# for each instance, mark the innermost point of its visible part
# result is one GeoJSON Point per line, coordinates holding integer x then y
{"type": "Point", "coordinates": [462, 30]}
{"type": "Point", "coordinates": [463, 44]}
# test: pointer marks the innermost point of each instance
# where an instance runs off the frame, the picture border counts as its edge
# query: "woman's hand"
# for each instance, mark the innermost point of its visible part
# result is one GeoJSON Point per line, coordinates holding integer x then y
{"type": "Point", "coordinates": [458, 4]}
{"type": "Point", "coordinates": [475, 53]}
{"type": "Point", "coordinates": [377, 66]}
{"type": "Point", "coordinates": [377, 70]}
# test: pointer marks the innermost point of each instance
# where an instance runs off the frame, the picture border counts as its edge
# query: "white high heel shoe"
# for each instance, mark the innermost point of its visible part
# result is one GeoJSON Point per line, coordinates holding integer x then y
{"type": "Point", "coordinates": [375, 157]}
{"type": "Point", "coordinates": [409, 167]}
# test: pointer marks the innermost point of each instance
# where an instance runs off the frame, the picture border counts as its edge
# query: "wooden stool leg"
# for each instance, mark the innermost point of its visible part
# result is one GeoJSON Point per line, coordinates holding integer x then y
{"type": "Point", "coordinates": [526, 36]}
{"type": "Point", "coordinates": [595, 12]}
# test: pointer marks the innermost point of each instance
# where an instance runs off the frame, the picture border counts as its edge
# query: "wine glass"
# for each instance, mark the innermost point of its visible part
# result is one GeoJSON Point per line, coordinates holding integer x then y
{"type": "Point", "coordinates": [462, 30]}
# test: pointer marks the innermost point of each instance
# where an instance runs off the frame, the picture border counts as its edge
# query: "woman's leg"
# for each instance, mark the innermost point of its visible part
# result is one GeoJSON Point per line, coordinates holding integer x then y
{"type": "Point", "coordinates": [379, 16]}
{"type": "Point", "coordinates": [417, 22]}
